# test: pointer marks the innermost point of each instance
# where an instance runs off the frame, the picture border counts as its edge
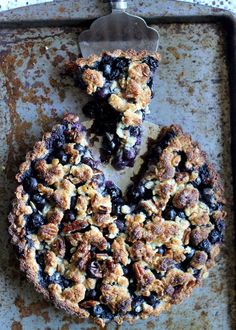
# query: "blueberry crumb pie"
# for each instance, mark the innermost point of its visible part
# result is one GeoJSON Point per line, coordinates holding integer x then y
{"type": "Point", "coordinates": [94, 252]}
{"type": "Point", "coordinates": [121, 83]}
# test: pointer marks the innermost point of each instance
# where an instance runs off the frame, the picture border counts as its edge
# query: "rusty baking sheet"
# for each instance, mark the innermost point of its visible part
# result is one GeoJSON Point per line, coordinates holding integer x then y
{"type": "Point", "coordinates": [195, 88]}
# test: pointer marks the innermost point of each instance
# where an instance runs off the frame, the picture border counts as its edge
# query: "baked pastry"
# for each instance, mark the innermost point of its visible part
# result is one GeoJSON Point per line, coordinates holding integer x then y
{"type": "Point", "coordinates": [122, 84]}
{"type": "Point", "coordinates": [95, 255]}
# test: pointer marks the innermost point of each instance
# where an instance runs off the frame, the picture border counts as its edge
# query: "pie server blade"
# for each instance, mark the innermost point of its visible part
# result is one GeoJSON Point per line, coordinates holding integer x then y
{"type": "Point", "coordinates": [118, 30]}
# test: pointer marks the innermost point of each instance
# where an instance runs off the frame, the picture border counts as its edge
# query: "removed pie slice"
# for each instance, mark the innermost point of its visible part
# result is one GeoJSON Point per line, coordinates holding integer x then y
{"type": "Point", "coordinates": [122, 85]}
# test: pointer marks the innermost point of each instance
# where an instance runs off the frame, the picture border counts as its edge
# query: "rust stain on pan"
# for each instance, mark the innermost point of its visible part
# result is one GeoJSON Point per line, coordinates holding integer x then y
{"type": "Point", "coordinates": [35, 308]}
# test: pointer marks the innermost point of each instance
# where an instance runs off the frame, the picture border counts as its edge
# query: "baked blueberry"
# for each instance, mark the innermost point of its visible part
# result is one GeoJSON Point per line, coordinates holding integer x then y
{"type": "Point", "coordinates": [205, 246]}
{"type": "Point", "coordinates": [114, 80]}
{"type": "Point", "coordinates": [39, 201]}
{"type": "Point", "coordinates": [30, 184]}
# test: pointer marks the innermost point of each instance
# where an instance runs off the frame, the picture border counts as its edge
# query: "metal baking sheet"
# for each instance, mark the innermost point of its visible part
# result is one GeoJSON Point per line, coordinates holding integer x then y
{"type": "Point", "coordinates": [195, 88]}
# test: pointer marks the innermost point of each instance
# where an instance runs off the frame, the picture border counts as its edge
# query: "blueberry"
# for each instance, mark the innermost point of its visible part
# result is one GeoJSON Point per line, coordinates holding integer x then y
{"type": "Point", "coordinates": [65, 283]}
{"type": "Point", "coordinates": [196, 273]}
{"type": "Point", "coordinates": [125, 270]}
{"type": "Point", "coordinates": [220, 225]}
{"type": "Point", "coordinates": [57, 278]}
{"type": "Point", "coordinates": [91, 294]}
{"type": "Point", "coordinates": [91, 109]}
{"type": "Point", "coordinates": [97, 311]}
{"type": "Point", "coordinates": [39, 201]}
{"type": "Point", "coordinates": [62, 156]}
{"type": "Point", "coordinates": [129, 154]}
{"type": "Point", "coordinates": [137, 305]}
{"type": "Point", "coordinates": [107, 70]}
{"type": "Point", "coordinates": [151, 62]}
{"type": "Point", "coordinates": [166, 138]}
{"type": "Point", "coordinates": [197, 182]}
{"type": "Point", "coordinates": [57, 139]}
{"type": "Point", "coordinates": [89, 161]}
{"type": "Point", "coordinates": [120, 225]}
{"type": "Point", "coordinates": [106, 59]}
{"type": "Point", "coordinates": [30, 184]}
{"type": "Point", "coordinates": [135, 131]}
{"type": "Point", "coordinates": [107, 314]}
{"type": "Point", "coordinates": [205, 246]}
{"type": "Point", "coordinates": [116, 205]}
{"type": "Point", "coordinates": [204, 174]}
{"type": "Point", "coordinates": [108, 143]}
{"type": "Point", "coordinates": [215, 236]}
{"type": "Point", "coordinates": [150, 85]}
{"type": "Point", "coordinates": [36, 221]}
{"type": "Point", "coordinates": [208, 197]}
{"type": "Point", "coordinates": [113, 190]}
{"type": "Point", "coordinates": [73, 202]}
{"type": "Point", "coordinates": [135, 193]}
{"type": "Point", "coordinates": [157, 275]}
{"type": "Point", "coordinates": [152, 300]}
{"type": "Point", "coordinates": [80, 148]}
{"type": "Point", "coordinates": [99, 179]}
{"type": "Point", "coordinates": [69, 216]}
{"type": "Point", "coordinates": [190, 254]}
{"type": "Point", "coordinates": [103, 92]}
{"type": "Point", "coordinates": [181, 214]}
{"type": "Point", "coordinates": [122, 64]}
{"type": "Point", "coordinates": [118, 163]}
{"type": "Point", "coordinates": [169, 214]}
{"type": "Point", "coordinates": [161, 250]}
{"type": "Point", "coordinates": [94, 270]}
{"type": "Point", "coordinates": [40, 260]}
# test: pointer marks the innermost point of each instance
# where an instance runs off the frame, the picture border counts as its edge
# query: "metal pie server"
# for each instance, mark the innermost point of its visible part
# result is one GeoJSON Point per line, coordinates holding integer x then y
{"type": "Point", "coordinates": [118, 30]}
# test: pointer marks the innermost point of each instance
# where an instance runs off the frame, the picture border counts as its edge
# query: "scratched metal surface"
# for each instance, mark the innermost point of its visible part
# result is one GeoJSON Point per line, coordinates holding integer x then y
{"type": "Point", "coordinates": [192, 90]}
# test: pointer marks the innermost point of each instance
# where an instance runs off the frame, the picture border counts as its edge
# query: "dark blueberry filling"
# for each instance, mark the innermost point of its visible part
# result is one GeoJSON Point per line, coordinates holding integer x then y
{"type": "Point", "coordinates": [120, 225]}
{"type": "Point", "coordinates": [57, 139]}
{"type": "Point", "coordinates": [196, 273]}
{"type": "Point", "coordinates": [30, 184]}
{"type": "Point", "coordinates": [220, 225]}
{"type": "Point", "coordinates": [91, 109]}
{"type": "Point", "coordinates": [204, 174]}
{"type": "Point", "coordinates": [69, 216]}
{"type": "Point", "coordinates": [205, 246]}
{"type": "Point", "coordinates": [169, 214]}
{"type": "Point", "coordinates": [116, 205]}
{"type": "Point", "coordinates": [91, 294]}
{"type": "Point", "coordinates": [102, 311]}
{"type": "Point", "coordinates": [152, 300]}
{"type": "Point", "coordinates": [103, 92]}
{"type": "Point", "coordinates": [82, 150]}
{"type": "Point", "coordinates": [182, 164]}
{"type": "Point", "coordinates": [137, 305]}
{"type": "Point", "coordinates": [112, 68]}
{"type": "Point", "coordinates": [113, 190]}
{"type": "Point", "coordinates": [161, 250]}
{"type": "Point", "coordinates": [99, 179]}
{"type": "Point", "coordinates": [34, 222]}
{"type": "Point", "coordinates": [215, 236]}
{"type": "Point", "coordinates": [73, 202]}
{"type": "Point", "coordinates": [39, 201]}
{"type": "Point", "coordinates": [57, 278]}
{"type": "Point", "coordinates": [207, 196]}
{"type": "Point", "coordinates": [151, 62]}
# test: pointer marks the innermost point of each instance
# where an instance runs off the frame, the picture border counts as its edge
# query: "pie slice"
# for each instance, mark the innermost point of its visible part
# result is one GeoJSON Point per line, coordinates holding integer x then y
{"type": "Point", "coordinates": [122, 85]}
{"type": "Point", "coordinates": [176, 227]}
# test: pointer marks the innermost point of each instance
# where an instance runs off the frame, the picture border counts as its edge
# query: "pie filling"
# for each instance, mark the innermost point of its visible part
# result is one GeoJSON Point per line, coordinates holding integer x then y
{"type": "Point", "coordinates": [122, 85]}
{"type": "Point", "coordinates": [96, 253]}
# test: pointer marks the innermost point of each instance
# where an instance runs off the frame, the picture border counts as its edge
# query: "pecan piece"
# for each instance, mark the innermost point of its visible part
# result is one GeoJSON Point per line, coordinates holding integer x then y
{"type": "Point", "coordinates": [48, 232]}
